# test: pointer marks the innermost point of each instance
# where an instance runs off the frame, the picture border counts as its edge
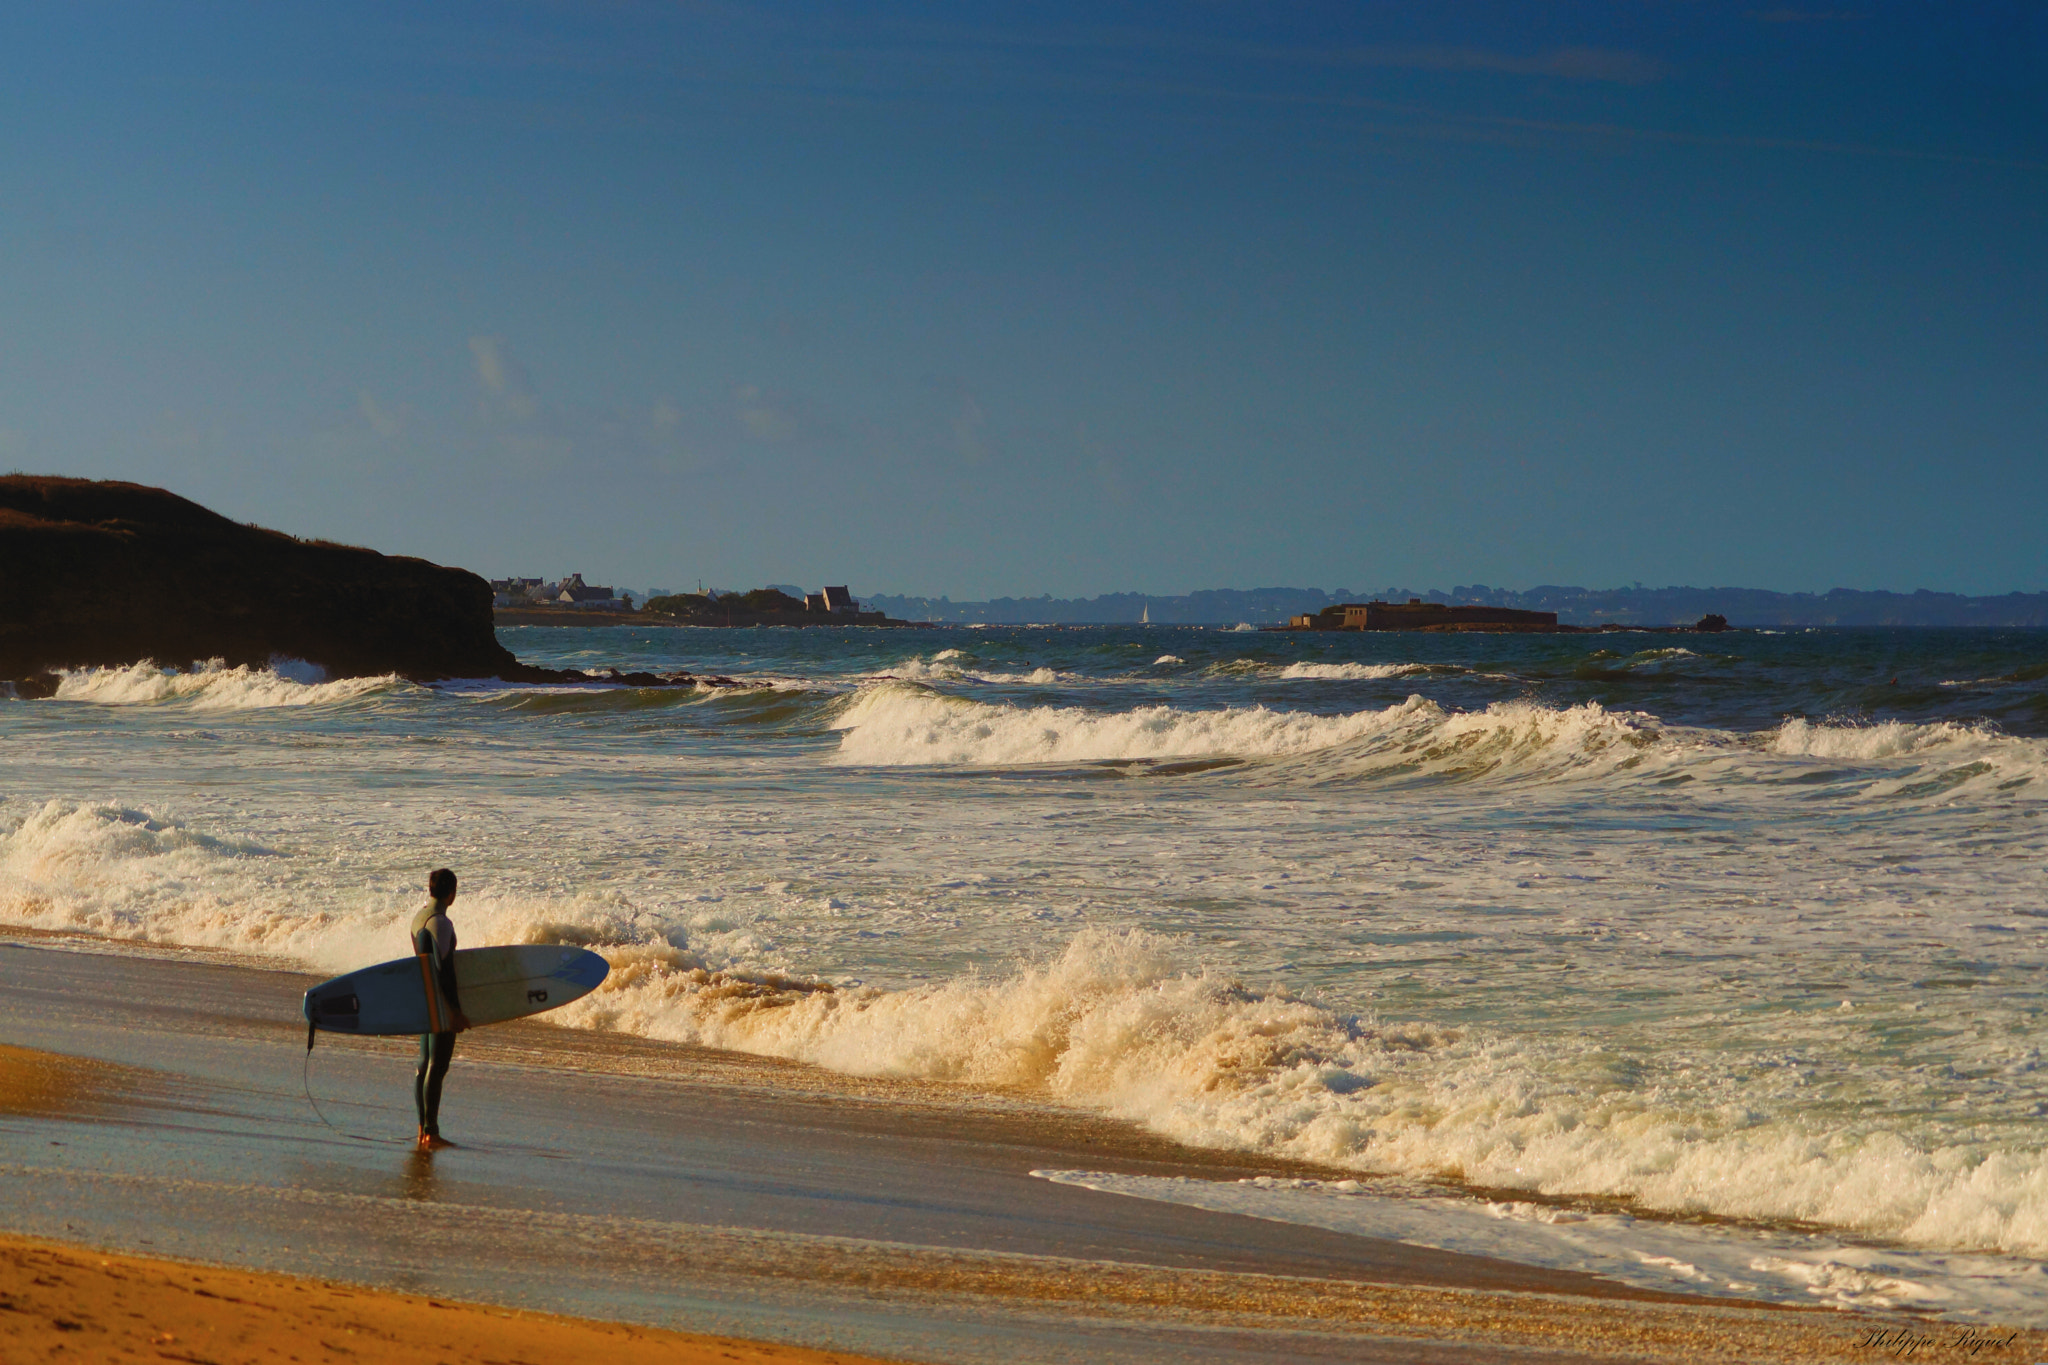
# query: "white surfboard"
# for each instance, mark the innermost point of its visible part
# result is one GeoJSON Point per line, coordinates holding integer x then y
{"type": "Point", "coordinates": [495, 984]}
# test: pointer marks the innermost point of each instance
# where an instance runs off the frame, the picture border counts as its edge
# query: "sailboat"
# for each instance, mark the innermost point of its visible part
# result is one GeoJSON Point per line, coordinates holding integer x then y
{"type": "Point", "coordinates": [1145, 616]}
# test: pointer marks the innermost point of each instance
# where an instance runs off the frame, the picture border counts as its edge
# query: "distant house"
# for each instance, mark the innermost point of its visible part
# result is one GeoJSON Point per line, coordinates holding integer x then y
{"type": "Point", "coordinates": [507, 592]}
{"type": "Point", "coordinates": [835, 600]}
{"type": "Point", "coordinates": [574, 592]}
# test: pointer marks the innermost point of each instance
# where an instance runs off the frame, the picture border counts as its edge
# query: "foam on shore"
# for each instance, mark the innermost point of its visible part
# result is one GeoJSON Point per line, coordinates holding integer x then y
{"type": "Point", "coordinates": [1135, 1025]}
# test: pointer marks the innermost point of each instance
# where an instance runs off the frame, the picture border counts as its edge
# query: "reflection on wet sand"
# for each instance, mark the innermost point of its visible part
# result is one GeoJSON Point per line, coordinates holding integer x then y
{"type": "Point", "coordinates": [51, 1084]}
{"type": "Point", "coordinates": [418, 1180]}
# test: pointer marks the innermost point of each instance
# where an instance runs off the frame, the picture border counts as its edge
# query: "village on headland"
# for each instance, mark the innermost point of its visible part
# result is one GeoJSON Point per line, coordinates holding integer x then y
{"type": "Point", "coordinates": [569, 601]}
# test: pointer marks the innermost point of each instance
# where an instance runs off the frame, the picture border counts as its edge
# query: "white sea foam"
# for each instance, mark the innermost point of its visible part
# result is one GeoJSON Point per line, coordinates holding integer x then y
{"type": "Point", "coordinates": [121, 873]}
{"type": "Point", "coordinates": [1129, 1024]}
{"type": "Point", "coordinates": [942, 668]}
{"type": "Point", "coordinates": [906, 725]}
{"type": "Point", "coordinates": [1886, 739]}
{"type": "Point", "coordinates": [1122, 1023]}
{"type": "Point", "coordinates": [1922, 760]}
{"type": "Point", "coordinates": [1417, 740]}
{"type": "Point", "coordinates": [1688, 1258]}
{"type": "Point", "coordinates": [1165, 659]}
{"type": "Point", "coordinates": [1352, 672]}
{"type": "Point", "coordinates": [211, 686]}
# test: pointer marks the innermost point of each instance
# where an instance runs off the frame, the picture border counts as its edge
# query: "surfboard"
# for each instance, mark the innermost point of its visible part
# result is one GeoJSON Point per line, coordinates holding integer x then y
{"type": "Point", "coordinates": [496, 984]}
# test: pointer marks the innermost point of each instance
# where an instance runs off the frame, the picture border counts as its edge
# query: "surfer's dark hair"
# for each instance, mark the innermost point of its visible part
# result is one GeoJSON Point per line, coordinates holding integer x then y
{"type": "Point", "coordinates": [441, 884]}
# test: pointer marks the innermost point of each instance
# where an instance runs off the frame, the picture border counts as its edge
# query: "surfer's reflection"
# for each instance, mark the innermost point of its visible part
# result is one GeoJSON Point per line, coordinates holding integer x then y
{"type": "Point", "coordinates": [419, 1181]}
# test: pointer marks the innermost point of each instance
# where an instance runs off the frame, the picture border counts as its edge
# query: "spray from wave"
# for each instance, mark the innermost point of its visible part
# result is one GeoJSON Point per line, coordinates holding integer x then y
{"type": "Point", "coordinates": [946, 666]}
{"type": "Point", "coordinates": [212, 686]}
{"type": "Point", "coordinates": [905, 725]}
{"type": "Point", "coordinates": [1125, 1023]}
{"type": "Point", "coordinates": [1417, 740]}
{"type": "Point", "coordinates": [1350, 672]}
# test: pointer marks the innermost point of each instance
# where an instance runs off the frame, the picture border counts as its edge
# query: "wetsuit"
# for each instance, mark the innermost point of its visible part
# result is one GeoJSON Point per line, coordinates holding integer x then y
{"type": "Point", "coordinates": [433, 935]}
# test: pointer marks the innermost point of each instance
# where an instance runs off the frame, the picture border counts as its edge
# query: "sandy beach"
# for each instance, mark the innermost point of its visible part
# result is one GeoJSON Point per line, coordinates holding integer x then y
{"type": "Point", "coordinates": [157, 1105]}
{"type": "Point", "coordinates": [64, 1303]}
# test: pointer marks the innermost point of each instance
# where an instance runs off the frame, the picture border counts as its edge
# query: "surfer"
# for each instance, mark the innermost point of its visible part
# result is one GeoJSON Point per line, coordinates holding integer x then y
{"type": "Point", "coordinates": [433, 939]}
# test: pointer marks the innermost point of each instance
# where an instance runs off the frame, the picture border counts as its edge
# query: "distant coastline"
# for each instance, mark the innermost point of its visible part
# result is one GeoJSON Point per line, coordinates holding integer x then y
{"type": "Point", "coordinates": [1633, 606]}
{"type": "Point", "coordinates": [760, 607]}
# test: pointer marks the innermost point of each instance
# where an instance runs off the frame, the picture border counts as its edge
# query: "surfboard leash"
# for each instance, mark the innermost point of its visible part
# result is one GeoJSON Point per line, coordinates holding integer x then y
{"type": "Point", "coordinates": [307, 1077]}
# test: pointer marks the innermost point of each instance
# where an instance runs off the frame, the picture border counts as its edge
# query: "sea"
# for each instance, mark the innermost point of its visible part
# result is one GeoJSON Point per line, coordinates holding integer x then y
{"type": "Point", "coordinates": [1705, 962]}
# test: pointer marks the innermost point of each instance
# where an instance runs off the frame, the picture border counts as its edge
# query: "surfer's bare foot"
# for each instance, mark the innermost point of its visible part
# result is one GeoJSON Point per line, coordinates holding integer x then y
{"type": "Point", "coordinates": [434, 1142]}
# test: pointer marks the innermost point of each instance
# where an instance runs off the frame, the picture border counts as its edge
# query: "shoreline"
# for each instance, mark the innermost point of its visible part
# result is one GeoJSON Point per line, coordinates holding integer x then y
{"type": "Point", "coordinates": [572, 616]}
{"type": "Point", "coordinates": [619, 1179]}
{"type": "Point", "coordinates": [64, 1301]}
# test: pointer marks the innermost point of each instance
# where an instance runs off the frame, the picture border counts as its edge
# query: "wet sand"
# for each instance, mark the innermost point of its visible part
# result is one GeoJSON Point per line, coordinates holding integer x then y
{"type": "Point", "coordinates": [710, 1192]}
{"type": "Point", "coordinates": [61, 1303]}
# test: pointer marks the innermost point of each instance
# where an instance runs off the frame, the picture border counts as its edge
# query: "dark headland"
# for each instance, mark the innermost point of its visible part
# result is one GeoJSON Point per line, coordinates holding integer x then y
{"type": "Point", "coordinates": [106, 574]}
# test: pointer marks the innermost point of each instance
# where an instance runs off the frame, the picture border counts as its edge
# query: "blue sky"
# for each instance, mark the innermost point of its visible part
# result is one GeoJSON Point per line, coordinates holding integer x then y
{"type": "Point", "coordinates": [973, 300]}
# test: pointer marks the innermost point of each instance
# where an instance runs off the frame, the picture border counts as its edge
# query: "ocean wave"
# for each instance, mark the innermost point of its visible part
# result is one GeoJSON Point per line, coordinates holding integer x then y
{"type": "Point", "coordinates": [1715, 1259]}
{"type": "Point", "coordinates": [895, 725]}
{"type": "Point", "coordinates": [1875, 741]}
{"type": "Point", "coordinates": [1130, 1024]}
{"type": "Point", "coordinates": [1419, 741]}
{"type": "Point", "coordinates": [944, 667]}
{"type": "Point", "coordinates": [212, 686]}
{"type": "Point", "coordinates": [1124, 1024]}
{"type": "Point", "coordinates": [1350, 672]}
{"type": "Point", "coordinates": [1931, 760]}
{"type": "Point", "coordinates": [133, 874]}
{"type": "Point", "coordinates": [904, 725]}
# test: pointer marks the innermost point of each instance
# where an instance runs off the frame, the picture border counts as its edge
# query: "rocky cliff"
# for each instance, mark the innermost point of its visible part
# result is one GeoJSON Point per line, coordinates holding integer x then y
{"type": "Point", "coordinates": [96, 573]}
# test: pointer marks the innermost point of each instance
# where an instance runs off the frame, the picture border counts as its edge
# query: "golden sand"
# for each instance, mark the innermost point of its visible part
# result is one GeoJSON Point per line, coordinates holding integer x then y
{"type": "Point", "coordinates": [65, 1304]}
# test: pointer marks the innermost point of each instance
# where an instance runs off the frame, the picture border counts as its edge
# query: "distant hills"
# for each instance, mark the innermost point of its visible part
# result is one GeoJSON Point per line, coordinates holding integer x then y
{"type": "Point", "coordinates": [1574, 606]}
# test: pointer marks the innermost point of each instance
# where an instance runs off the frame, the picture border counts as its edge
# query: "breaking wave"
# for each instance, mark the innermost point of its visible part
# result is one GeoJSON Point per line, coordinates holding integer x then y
{"type": "Point", "coordinates": [946, 666]}
{"type": "Point", "coordinates": [1358, 672]}
{"type": "Point", "coordinates": [212, 686]}
{"type": "Point", "coordinates": [1124, 1023]}
{"type": "Point", "coordinates": [1417, 740]}
{"type": "Point", "coordinates": [893, 725]}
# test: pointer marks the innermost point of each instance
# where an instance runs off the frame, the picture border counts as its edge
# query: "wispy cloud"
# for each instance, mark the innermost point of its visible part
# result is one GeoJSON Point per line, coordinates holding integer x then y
{"type": "Point", "coordinates": [507, 390]}
{"type": "Point", "coordinates": [386, 422]}
{"type": "Point", "coordinates": [766, 416]}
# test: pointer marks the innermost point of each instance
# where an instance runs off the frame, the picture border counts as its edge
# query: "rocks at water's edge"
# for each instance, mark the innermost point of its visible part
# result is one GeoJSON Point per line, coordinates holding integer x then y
{"type": "Point", "coordinates": [107, 574]}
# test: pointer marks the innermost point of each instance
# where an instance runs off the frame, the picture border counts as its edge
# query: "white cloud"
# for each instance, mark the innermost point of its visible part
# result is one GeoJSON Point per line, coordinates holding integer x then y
{"type": "Point", "coordinates": [380, 419]}
{"type": "Point", "coordinates": [507, 390]}
{"type": "Point", "coordinates": [765, 416]}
